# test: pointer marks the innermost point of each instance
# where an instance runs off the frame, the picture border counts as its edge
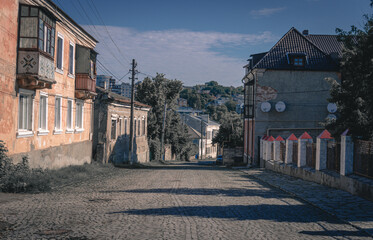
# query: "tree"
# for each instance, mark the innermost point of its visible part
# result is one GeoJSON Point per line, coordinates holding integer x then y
{"type": "Point", "coordinates": [155, 92]}
{"type": "Point", "coordinates": [353, 95]}
{"type": "Point", "coordinates": [231, 105]}
{"type": "Point", "coordinates": [230, 132]}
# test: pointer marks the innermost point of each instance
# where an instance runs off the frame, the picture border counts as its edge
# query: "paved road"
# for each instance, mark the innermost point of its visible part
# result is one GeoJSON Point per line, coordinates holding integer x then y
{"type": "Point", "coordinates": [172, 202]}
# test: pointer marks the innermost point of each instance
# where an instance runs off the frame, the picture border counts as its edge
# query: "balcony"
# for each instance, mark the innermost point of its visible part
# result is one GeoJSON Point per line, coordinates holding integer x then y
{"type": "Point", "coordinates": [85, 86]}
{"type": "Point", "coordinates": [34, 71]}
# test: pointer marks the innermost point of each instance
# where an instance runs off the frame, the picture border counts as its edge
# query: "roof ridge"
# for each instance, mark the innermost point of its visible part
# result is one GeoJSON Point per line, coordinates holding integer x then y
{"type": "Point", "coordinates": [292, 28]}
{"type": "Point", "coordinates": [302, 36]}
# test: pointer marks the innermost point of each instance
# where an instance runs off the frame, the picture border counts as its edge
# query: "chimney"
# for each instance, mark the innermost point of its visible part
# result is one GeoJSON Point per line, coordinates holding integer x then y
{"type": "Point", "coordinates": [305, 32]}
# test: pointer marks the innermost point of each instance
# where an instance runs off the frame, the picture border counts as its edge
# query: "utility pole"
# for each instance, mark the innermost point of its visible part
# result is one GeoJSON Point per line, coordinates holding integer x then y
{"type": "Point", "coordinates": [133, 70]}
{"type": "Point", "coordinates": [201, 138]}
{"type": "Point", "coordinates": [163, 152]}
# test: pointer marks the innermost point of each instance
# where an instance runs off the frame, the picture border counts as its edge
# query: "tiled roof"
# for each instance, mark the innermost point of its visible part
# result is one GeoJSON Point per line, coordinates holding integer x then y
{"type": "Point", "coordinates": [328, 43]}
{"type": "Point", "coordinates": [295, 42]}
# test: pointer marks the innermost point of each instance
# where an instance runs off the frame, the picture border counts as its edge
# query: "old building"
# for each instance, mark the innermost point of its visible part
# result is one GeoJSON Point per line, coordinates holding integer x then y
{"type": "Point", "coordinates": [201, 125]}
{"type": "Point", "coordinates": [285, 88]}
{"type": "Point", "coordinates": [112, 128]}
{"type": "Point", "coordinates": [47, 74]}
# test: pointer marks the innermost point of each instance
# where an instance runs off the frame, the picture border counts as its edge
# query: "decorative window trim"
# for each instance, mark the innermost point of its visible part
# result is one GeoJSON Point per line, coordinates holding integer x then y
{"type": "Point", "coordinates": [71, 75]}
{"type": "Point", "coordinates": [41, 131]}
{"type": "Point", "coordinates": [77, 128]}
{"type": "Point", "coordinates": [58, 130]}
{"type": "Point", "coordinates": [71, 129]}
{"type": "Point", "coordinates": [21, 133]}
{"type": "Point", "coordinates": [59, 35]}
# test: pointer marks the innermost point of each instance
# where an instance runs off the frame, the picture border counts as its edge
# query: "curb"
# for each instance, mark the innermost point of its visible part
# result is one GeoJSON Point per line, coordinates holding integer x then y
{"type": "Point", "coordinates": [309, 202]}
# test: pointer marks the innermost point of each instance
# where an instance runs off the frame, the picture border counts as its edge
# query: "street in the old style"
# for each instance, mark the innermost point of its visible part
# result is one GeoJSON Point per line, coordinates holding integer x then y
{"type": "Point", "coordinates": [175, 201]}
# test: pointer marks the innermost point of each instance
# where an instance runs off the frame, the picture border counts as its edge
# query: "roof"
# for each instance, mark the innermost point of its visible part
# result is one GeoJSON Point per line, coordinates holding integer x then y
{"type": "Point", "coordinates": [193, 133]}
{"type": "Point", "coordinates": [315, 47]}
{"type": "Point", "coordinates": [120, 98]}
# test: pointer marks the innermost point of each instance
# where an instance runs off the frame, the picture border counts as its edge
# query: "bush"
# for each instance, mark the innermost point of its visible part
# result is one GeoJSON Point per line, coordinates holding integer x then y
{"type": "Point", "coordinates": [20, 177]}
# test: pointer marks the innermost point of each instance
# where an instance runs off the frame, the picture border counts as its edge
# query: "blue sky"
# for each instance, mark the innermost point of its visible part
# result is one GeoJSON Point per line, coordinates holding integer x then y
{"type": "Point", "coordinates": [196, 41]}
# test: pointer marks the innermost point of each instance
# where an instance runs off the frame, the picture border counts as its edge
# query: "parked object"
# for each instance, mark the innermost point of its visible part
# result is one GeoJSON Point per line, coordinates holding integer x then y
{"type": "Point", "coordinates": [219, 160]}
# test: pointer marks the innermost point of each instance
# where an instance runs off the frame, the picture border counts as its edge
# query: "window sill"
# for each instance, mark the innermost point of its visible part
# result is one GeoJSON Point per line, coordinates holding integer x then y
{"type": "Point", "coordinates": [23, 134]}
{"type": "Point", "coordinates": [71, 76]}
{"type": "Point", "coordinates": [60, 71]}
{"type": "Point", "coordinates": [69, 131]}
{"type": "Point", "coordinates": [43, 132]}
{"type": "Point", "coordinates": [79, 130]}
{"type": "Point", "coordinates": [57, 131]}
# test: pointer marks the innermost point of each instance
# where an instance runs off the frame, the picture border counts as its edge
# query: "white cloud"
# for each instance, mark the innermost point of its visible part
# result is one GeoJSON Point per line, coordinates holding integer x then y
{"type": "Point", "coordinates": [180, 54]}
{"type": "Point", "coordinates": [266, 12]}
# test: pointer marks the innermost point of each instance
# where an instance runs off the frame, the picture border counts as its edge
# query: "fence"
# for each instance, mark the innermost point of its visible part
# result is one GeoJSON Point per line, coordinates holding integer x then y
{"type": "Point", "coordinates": [282, 151]}
{"type": "Point", "coordinates": [295, 153]}
{"type": "Point", "coordinates": [363, 158]}
{"type": "Point", "coordinates": [311, 155]}
{"type": "Point", "coordinates": [333, 156]}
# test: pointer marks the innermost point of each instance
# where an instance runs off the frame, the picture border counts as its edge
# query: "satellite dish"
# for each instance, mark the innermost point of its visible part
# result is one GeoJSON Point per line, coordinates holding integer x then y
{"type": "Point", "coordinates": [280, 106]}
{"type": "Point", "coordinates": [265, 107]}
{"type": "Point", "coordinates": [332, 108]}
{"type": "Point", "coordinates": [331, 117]}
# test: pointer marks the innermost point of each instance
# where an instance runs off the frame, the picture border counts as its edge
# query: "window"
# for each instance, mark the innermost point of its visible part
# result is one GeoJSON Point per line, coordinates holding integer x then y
{"type": "Point", "coordinates": [43, 114]}
{"type": "Point", "coordinates": [57, 115]}
{"type": "Point", "coordinates": [143, 127]}
{"type": "Point", "coordinates": [60, 53]}
{"type": "Point", "coordinates": [71, 59]}
{"type": "Point", "coordinates": [125, 126]}
{"type": "Point", "coordinates": [69, 120]}
{"type": "Point", "coordinates": [134, 128]}
{"type": "Point", "coordinates": [120, 126]}
{"type": "Point", "coordinates": [79, 116]}
{"type": "Point", "coordinates": [209, 134]}
{"type": "Point", "coordinates": [36, 30]}
{"type": "Point", "coordinates": [25, 112]}
{"type": "Point", "coordinates": [139, 128]}
{"type": "Point", "coordinates": [113, 129]}
{"type": "Point", "coordinates": [298, 61]}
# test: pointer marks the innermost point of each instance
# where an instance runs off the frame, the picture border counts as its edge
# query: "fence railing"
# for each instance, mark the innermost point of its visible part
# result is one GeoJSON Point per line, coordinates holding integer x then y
{"type": "Point", "coordinates": [282, 151]}
{"type": "Point", "coordinates": [295, 153]}
{"type": "Point", "coordinates": [363, 158]}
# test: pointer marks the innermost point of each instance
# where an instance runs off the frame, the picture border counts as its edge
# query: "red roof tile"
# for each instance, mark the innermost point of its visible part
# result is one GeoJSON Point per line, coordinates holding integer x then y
{"type": "Point", "coordinates": [270, 139]}
{"type": "Point", "coordinates": [325, 135]}
{"type": "Point", "coordinates": [292, 137]}
{"type": "Point", "coordinates": [279, 138]}
{"type": "Point", "coordinates": [305, 135]}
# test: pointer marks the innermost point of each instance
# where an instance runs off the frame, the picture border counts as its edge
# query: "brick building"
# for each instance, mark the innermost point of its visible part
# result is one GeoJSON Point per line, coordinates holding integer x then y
{"type": "Point", "coordinates": [47, 81]}
{"type": "Point", "coordinates": [112, 128]}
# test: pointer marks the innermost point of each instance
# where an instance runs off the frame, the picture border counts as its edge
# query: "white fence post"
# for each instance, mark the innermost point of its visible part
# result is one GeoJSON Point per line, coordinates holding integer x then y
{"type": "Point", "coordinates": [321, 149]}
{"type": "Point", "coordinates": [347, 154]}
{"type": "Point", "coordinates": [289, 148]}
{"type": "Point", "coordinates": [302, 148]}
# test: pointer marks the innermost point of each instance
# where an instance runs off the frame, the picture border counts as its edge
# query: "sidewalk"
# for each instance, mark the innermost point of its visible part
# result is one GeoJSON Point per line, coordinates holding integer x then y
{"type": "Point", "coordinates": [349, 208]}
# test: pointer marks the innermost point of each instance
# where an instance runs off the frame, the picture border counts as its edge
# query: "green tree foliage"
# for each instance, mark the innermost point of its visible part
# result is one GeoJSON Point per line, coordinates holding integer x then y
{"type": "Point", "coordinates": [231, 105]}
{"type": "Point", "coordinates": [353, 95]}
{"type": "Point", "coordinates": [217, 113]}
{"type": "Point", "coordinates": [155, 92]}
{"type": "Point", "coordinates": [230, 132]}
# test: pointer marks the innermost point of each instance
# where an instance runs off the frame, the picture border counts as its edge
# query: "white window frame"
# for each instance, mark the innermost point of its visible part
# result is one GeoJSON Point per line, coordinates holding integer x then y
{"type": "Point", "coordinates": [59, 35]}
{"type": "Point", "coordinates": [58, 129]}
{"type": "Point", "coordinates": [79, 128]}
{"type": "Point", "coordinates": [72, 123]}
{"type": "Point", "coordinates": [30, 131]}
{"type": "Point", "coordinates": [71, 75]}
{"type": "Point", "coordinates": [43, 131]}
{"type": "Point", "coordinates": [116, 128]}
{"type": "Point", "coordinates": [120, 126]}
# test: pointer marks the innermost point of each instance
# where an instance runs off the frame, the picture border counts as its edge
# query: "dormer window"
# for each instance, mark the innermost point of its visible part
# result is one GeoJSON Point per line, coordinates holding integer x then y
{"type": "Point", "coordinates": [297, 59]}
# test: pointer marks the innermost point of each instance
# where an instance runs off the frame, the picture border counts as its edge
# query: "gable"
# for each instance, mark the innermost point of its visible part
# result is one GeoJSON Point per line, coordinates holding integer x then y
{"type": "Point", "coordinates": [294, 43]}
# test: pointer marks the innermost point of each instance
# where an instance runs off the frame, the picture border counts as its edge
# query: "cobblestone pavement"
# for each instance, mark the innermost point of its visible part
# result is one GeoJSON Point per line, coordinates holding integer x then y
{"type": "Point", "coordinates": [182, 201]}
{"type": "Point", "coordinates": [352, 209]}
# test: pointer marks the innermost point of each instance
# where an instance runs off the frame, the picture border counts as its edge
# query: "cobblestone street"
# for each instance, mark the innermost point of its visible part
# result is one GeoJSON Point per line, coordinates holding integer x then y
{"type": "Point", "coordinates": [185, 201]}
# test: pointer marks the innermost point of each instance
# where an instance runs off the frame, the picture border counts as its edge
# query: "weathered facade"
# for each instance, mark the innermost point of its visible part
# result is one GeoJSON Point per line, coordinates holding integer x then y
{"type": "Point", "coordinates": [112, 129]}
{"type": "Point", "coordinates": [285, 88]}
{"type": "Point", "coordinates": [46, 84]}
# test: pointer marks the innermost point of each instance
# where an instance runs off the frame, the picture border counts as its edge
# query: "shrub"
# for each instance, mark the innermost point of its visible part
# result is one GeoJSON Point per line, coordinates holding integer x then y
{"type": "Point", "coordinates": [20, 177]}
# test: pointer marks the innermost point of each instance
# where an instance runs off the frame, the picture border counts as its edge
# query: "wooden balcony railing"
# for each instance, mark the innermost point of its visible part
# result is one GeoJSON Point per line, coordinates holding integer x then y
{"type": "Point", "coordinates": [85, 83]}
